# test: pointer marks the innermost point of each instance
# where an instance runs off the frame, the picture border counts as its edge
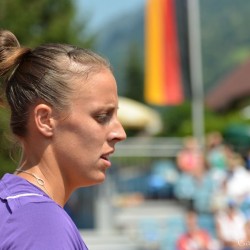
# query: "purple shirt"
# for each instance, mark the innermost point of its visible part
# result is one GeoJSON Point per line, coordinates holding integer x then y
{"type": "Point", "coordinates": [29, 219]}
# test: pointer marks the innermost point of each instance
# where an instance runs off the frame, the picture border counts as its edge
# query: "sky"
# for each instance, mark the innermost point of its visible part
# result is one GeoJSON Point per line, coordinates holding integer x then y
{"type": "Point", "coordinates": [102, 11]}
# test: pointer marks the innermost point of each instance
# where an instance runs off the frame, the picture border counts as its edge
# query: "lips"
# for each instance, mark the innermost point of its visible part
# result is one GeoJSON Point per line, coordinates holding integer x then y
{"type": "Point", "coordinates": [105, 157]}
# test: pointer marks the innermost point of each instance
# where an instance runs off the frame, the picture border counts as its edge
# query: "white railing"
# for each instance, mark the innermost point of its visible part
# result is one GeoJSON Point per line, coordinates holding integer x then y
{"type": "Point", "coordinates": [149, 147]}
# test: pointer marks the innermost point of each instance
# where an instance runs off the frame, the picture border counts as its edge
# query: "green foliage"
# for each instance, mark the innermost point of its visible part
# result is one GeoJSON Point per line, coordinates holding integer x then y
{"type": "Point", "coordinates": [6, 164]}
{"type": "Point", "coordinates": [177, 120]}
{"type": "Point", "coordinates": [4, 131]}
{"type": "Point", "coordinates": [41, 21]}
{"type": "Point", "coordinates": [134, 75]}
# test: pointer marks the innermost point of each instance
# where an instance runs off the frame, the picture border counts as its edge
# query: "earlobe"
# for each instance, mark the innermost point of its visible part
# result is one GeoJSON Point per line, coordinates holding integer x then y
{"type": "Point", "coordinates": [43, 119]}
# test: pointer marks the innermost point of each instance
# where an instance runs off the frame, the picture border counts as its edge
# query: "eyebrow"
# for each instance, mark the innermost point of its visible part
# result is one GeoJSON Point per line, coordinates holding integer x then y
{"type": "Point", "coordinates": [106, 106]}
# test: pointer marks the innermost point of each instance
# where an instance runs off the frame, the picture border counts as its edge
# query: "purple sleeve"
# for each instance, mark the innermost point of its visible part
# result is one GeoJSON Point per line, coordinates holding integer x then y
{"type": "Point", "coordinates": [41, 226]}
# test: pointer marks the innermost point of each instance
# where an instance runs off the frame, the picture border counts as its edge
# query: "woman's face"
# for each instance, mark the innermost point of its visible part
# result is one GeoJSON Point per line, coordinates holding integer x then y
{"type": "Point", "coordinates": [85, 139]}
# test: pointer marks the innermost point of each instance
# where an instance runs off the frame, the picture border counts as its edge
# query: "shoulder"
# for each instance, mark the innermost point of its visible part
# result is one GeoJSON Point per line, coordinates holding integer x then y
{"type": "Point", "coordinates": [42, 226]}
{"type": "Point", "coordinates": [40, 212]}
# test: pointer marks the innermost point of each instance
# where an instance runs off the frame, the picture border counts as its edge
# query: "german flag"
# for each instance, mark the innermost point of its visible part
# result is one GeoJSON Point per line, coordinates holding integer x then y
{"type": "Point", "coordinates": [163, 83]}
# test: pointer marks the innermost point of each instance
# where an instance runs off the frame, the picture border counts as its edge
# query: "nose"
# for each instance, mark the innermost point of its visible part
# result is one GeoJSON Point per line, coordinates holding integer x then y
{"type": "Point", "coordinates": [118, 133]}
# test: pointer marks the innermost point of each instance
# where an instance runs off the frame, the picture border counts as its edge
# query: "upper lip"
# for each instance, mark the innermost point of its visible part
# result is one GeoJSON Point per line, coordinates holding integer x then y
{"type": "Point", "coordinates": [106, 155]}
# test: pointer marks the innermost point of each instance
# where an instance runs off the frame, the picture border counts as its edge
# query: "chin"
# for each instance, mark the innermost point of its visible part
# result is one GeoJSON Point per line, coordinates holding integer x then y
{"type": "Point", "coordinates": [101, 179]}
{"type": "Point", "coordinates": [95, 181]}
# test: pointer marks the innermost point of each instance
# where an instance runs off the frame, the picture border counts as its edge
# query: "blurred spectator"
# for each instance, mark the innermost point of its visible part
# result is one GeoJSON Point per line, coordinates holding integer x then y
{"type": "Point", "coordinates": [204, 188]}
{"type": "Point", "coordinates": [196, 189]}
{"type": "Point", "coordinates": [230, 227]}
{"type": "Point", "coordinates": [217, 155]}
{"type": "Point", "coordinates": [195, 238]}
{"type": "Point", "coordinates": [185, 189]}
{"type": "Point", "coordinates": [235, 186]}
{"type": "Point", "coordinates": [219, 198]}
{"type": "Point", "coordinates": [238, 179]}
{"type": "Point", "coordinates": [162, 179]}
{"type": "Point", "coordinates": [216, 151]}
{"type": "Point", "coordinates": [190, 158]}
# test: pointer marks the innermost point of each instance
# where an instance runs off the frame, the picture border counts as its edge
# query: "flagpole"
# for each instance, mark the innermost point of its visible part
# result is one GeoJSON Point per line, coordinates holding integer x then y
{"type": "Point", "coordinates": [195, 58]}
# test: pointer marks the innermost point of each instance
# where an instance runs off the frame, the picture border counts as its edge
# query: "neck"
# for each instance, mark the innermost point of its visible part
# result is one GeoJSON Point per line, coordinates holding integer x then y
{"type": "Point", "coordinates": [39, 181]}
{"type": "Point", "coordinates": [46, 182]}
{"type": "Point", "coordinates": [45, 167]}
{"type": "Point", "coordinates": [41, 162]}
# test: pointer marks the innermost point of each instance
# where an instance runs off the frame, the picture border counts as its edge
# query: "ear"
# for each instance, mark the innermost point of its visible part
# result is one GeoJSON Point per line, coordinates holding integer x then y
{"type": "Point", "coordinates": [43, 119]}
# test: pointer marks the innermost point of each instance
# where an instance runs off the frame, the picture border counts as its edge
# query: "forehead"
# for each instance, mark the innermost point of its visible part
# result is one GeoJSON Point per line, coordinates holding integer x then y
{"type": "Point", "coordinates": [98, 88]}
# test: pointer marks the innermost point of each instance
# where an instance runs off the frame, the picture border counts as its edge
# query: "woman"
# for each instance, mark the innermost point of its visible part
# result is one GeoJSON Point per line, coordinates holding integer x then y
{"type": "Point", "coordinates": [63, 103]}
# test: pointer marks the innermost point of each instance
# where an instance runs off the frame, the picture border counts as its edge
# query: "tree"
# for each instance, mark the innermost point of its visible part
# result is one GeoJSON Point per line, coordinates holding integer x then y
{"type": "Point", "coordinates": [34, 23]}
{"type": "Point", "coordinates": [6, 164]}
{"type": "Point", "coordinates": [40, 21]}
{"type": "Point", "coordinates": [134, 75]}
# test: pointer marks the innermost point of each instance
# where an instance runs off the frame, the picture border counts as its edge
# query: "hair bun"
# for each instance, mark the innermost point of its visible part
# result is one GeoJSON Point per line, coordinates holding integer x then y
{"type": "Point", "coordinates": [10, 52]}
{"type": "Point", "coordinates": [8, 39]}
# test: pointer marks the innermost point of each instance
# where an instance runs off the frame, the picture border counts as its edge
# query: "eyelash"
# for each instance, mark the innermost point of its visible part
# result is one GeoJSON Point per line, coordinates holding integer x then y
{"type": "Point", "coordinates": [103, 118]}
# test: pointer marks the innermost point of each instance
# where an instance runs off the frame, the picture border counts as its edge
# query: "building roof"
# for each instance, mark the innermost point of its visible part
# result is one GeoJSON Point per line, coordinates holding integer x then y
{"type": "Point", "coordinates": [232, 88]}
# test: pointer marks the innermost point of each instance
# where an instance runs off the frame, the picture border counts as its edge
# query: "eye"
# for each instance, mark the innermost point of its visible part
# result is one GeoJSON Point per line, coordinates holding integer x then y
{"type": "Point", "coordinates": [104, 118]}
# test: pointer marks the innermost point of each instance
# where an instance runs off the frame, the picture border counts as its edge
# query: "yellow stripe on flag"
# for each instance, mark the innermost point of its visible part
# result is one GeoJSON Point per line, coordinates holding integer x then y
{"type": "Point", "coordinates": [154, 92]}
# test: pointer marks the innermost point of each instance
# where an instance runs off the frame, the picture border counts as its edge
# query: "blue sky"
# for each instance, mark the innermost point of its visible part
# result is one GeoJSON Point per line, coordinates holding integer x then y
{"type": "Point", "coordinates": [102, 11]}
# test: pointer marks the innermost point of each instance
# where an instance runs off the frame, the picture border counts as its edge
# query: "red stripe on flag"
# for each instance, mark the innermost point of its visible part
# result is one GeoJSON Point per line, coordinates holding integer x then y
{"type": "Point", "coordinates": [172, 73]}
{"type": "Point", "coordinates": [163, 85]}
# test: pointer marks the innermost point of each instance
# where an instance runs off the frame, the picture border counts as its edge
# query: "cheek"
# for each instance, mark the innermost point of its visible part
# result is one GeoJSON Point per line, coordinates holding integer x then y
{"type": "Point", "coordinates": [78, 139]}
{"type": "Point", "coordinates": [78, 152]}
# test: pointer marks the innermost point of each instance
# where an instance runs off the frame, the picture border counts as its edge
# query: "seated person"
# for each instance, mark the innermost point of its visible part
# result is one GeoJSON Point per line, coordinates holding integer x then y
{"type": "Point", "coordinates": [194, 238]}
